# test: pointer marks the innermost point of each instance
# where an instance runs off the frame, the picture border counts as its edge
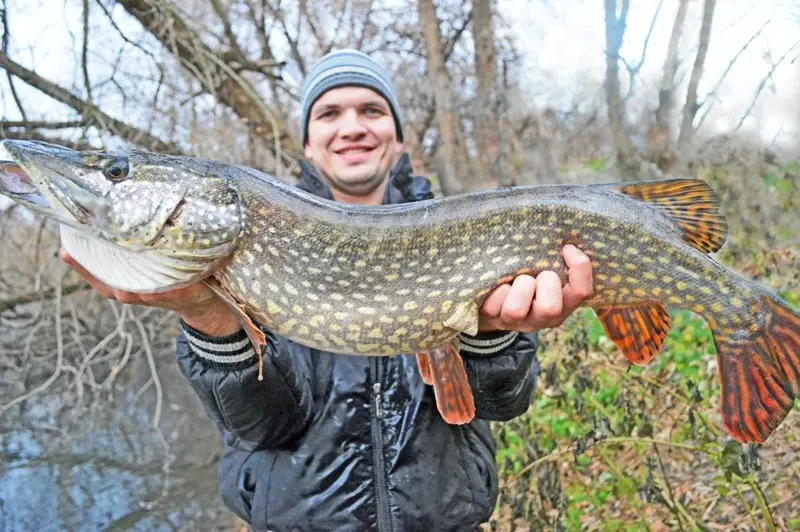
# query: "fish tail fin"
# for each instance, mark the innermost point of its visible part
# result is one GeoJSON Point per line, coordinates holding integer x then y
{"type": "Point", "coordinates": [759, 369]}
{"type": "Point", "coordinates": [450, 384]}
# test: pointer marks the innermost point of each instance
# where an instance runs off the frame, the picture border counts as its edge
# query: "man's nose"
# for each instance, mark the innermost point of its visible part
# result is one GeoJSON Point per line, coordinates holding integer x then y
{"type": "Point", "coordinates": [351, 124]}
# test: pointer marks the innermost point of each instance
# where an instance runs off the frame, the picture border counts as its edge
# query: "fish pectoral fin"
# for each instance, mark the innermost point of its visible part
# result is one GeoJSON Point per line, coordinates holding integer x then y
{"type": "Point", "coordinates": [464, 318]}
{"type": "Point", "coordinates": [424, 365]}
{"type": "Point", "coordinates": [450, 384]}
{"type": "Point", "coordinates": [760, 372]}
{"type": "Point", "coordinates": [257, 337]}
{"type": "Point", "coordinates": [691, 204]}
{"type": "Point", "coordinates": [639, 331]}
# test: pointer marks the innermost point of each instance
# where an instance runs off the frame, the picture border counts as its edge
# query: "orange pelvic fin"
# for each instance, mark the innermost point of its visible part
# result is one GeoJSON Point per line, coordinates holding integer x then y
{"type": "Point", "coordinates": [424, 364]}
{"type": "Point", "coordinates": [639, 331]}
{"type": "Point", "coordinates": [257, 337]}
{"type": "Point", "coordinates": [450, 384]}
{"type": "Point", "coordinates": [760, 372]}
{"type": "Point", "coordinates": [691, 204]}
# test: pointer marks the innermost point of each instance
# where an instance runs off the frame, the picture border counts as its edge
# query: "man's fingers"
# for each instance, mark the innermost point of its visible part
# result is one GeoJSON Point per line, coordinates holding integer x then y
{"type": "Point", "coordinates": [493, 304]}
{"type": "Point", "coordinates": [518, 301]}
{"type": "Point", "coordinates": [580, 284]}
{"type": "Point", "coordinates": [548, 303]}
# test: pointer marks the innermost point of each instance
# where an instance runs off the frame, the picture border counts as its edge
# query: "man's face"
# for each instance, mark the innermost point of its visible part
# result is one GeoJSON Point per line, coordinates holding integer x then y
{"type": "Point", "coordinates": [352, 141]}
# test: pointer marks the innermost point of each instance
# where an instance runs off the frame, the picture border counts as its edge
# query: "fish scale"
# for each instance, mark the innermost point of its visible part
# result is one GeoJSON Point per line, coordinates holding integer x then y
{"type": "Point", "coordinates": [404, 279]}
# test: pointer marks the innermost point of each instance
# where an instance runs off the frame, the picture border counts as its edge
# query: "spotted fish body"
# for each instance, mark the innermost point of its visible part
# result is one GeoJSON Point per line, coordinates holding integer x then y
{"type": "Point", "coordinates": [408, 278]}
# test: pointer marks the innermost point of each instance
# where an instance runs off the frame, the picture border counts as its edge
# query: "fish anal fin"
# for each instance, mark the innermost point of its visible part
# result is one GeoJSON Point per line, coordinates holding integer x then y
{"type": "Point", "coordinates": [639, 331]}
{"type": "Point", "coordinates": [424, 365]}
{"type": "Point", "coordinates": [691, 204]}
{"type": "Point", "coordinates": [464, 318]}
{"type": "Point", "coordinates": [450, 384]}
{"type": "Point", "coordinates": [760, 373]}
{"type": "Point", "coordinates": [257, 337]}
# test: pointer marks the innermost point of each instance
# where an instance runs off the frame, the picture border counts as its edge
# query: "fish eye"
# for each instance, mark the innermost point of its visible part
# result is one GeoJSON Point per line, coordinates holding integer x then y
{"type": "Point", "coordinates": [116, 169]}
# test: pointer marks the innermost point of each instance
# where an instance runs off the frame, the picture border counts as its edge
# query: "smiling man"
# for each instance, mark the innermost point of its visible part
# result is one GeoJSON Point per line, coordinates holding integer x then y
{"type": "Point", "coordinates": [337, 442]}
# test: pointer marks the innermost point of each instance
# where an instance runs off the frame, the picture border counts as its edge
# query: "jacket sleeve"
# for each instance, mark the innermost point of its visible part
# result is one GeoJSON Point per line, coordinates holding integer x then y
{"type": "Point", "coordinates": [251, 414]}
{"type": "Point", "coordinates": [503, 371]}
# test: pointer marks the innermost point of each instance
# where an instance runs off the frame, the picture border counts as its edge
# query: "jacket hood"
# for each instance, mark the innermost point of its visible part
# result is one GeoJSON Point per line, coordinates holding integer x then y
{"type": "Point", "coordinates": [403, 186]}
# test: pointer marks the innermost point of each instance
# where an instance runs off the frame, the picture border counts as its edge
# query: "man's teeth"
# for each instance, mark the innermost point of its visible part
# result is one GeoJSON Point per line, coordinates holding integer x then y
{"type": "Point", "coordinates": [353, 151]}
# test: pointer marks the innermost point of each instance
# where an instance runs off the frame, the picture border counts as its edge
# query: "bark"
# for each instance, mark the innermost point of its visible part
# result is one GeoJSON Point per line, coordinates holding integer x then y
{"type": "Point", "coordinates": [663, 143]}
{"type": "Point", "coordinates": [627, 157]}
{"type": "Point", "coordinates": [690, 108]}
{"type": "Point", "coordinates": [90, 113]}
{"type": "Point", "coordinates": [176, 36]}
{"type": "Point", "coordinates": [486, 123]}
{"type": "Point", "coordinates": [446, 115]}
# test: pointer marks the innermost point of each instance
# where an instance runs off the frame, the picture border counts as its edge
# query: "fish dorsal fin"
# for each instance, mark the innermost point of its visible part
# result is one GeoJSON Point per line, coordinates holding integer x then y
{"type": "Point", "coordinates": [639, 331]}
{"type": "Point", "coordinates": [691, 204]}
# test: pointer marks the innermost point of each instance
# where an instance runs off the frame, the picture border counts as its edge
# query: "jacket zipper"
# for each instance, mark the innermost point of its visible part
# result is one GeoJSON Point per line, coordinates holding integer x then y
{"type": "Point", "coordinates": [381, 491]}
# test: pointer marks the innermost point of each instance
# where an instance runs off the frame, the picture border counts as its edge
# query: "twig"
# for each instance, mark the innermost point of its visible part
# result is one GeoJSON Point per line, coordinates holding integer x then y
{"type": "Point", "coordinates": [746, 506]}
{"type": "Point", "coordinates": [153, 371]}
{"type": "Point", "coordinates": [636, 505]}
{"type": "Point", "coordinates": [762, 502]}
{"type": "Point", "coordinates": [59, 360]}
{"type": "Point", "coordinates": [762, 84]}
{"type": "Point", "coordinates": [607, 441]}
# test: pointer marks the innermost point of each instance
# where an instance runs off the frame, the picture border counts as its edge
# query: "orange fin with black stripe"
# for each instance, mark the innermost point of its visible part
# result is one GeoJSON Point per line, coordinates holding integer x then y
{"type": "Point", "coordinates": [424, 365]}
{"type": "Point", "coordinates": [450, 385]}
{"type": "Point", "coordinates": [639, 331]}
{"type": "Point", "coordinates": [760, 371]}
{"type": "Point", "coordinates": [691, 204]}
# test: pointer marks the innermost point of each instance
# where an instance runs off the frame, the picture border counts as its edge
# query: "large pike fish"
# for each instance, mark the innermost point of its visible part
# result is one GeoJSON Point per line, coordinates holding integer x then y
{"type": "Point", "coordinates": [407, 279]}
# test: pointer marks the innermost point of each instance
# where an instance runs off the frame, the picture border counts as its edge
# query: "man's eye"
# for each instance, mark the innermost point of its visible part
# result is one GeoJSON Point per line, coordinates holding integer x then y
{"type": "Point", "coordinates": [373, 111]}
{"type": "Point", "coordinates": [328, 114]}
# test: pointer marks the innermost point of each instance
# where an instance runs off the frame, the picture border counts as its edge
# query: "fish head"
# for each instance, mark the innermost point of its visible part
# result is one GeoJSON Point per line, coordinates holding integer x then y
{"type": "Point", "coordinates": [133, 199]}
{"type": "Point", "coordinates": [181, 210]}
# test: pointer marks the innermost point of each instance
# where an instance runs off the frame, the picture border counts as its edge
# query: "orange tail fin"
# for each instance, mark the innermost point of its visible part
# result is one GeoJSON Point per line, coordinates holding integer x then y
{"type": "Point", "coordinates": [450, 384]}
{"type": "Point", "coordinates": [760, 372]}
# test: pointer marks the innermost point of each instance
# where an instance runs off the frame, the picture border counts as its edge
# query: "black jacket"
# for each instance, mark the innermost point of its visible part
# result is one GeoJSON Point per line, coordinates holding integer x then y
{"type": "Point", "coordinates": [340, 442]}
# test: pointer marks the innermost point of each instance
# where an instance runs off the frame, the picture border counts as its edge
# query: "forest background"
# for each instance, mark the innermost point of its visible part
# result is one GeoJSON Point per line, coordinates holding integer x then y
{"type": "Point", "coordinates": [97, 428]}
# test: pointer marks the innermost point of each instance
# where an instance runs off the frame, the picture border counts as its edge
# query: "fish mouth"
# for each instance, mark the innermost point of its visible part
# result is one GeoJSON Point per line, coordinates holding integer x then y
{"type": "Point", "coordinates": [48, 178]}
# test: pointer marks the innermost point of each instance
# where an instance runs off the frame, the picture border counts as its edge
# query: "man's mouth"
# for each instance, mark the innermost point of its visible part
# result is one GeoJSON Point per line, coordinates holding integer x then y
{"type": "Point", "coordinates": [355, 154]}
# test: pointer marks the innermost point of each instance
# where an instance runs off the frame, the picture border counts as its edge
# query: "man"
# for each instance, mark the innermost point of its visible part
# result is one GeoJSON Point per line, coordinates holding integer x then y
{"type": "Point", "coordinates": [338, 442]}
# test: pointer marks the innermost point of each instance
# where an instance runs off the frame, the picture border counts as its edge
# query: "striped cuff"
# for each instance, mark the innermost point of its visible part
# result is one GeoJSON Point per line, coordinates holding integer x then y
{"type": "Point", "coordinates": [223, 350]}
{"type": "Point", "coordinates": [487, 344]}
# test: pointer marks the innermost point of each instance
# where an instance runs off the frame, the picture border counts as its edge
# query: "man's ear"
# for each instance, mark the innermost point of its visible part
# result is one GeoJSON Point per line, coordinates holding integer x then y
{"type": "Point", "coordinates": [307, 151]}
{"type": "Point", "coordinates": [399, 148]}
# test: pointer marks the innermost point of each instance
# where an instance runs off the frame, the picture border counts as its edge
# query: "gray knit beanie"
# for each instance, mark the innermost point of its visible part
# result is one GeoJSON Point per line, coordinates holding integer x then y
{"type": "Point", "coordinates": [346, 68]}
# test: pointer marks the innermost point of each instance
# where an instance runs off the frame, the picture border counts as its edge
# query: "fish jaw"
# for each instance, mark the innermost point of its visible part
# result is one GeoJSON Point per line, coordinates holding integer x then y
{"type": "Point", "coordinates": [60, 176]}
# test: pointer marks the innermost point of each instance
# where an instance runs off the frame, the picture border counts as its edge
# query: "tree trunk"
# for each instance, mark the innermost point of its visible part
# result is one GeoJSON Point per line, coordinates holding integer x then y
{"type": "Point", "coordinates": [446, 116]}
{"type": "Point", "coordinates": [486, 123]}
{"type": "Point", "coordinates": [628, 159]}
{"type": "Point", "coordinates": [690, 108]}
{"type": "Point", "coordinates": [662, 141]}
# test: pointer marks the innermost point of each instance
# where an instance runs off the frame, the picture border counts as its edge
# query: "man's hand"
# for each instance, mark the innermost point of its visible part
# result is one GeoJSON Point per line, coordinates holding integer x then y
{"type": "Point", "coordinates": [197, 304]}
{"type": "Point", "coordinates": [529, 304]}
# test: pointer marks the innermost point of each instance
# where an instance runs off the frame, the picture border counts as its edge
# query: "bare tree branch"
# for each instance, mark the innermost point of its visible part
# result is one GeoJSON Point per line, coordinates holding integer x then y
{"type": "Point", "coordinates": [712, 95]}
{"type": "Point", "coordinates": [4, 50]}
{"type": "Point", "coordinates": [85, 52]}
{"type": "Point", "coordinates": [173, 33]}
{"type": "Point", "coordinates": [633, 71]}
{"type": "Point", "coordinates": [39, 124]}
{"type": "Point", "coordinates": [763, 83]}
{"type": "Point", "coordinates": [89, 111]}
